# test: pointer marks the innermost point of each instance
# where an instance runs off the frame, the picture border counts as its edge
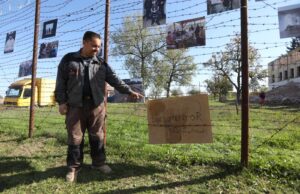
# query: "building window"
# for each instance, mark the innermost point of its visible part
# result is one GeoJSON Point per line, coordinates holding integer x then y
{"type": "Point", "coordinates": [280, 76]}
{"type": "Point", "coordinates": [273, 78]}
{"type": "Point", "coordinates": [292, 73]}
{"type": "Point", "coordinates": [298, 70]}
{"type": "Point", "coordinates": [285, 74]}
{"type": "Point", "coordinates": [272, 66]}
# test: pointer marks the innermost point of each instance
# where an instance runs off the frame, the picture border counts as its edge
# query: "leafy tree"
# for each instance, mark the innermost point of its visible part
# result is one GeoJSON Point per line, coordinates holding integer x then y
{"type": "Point", "coordinates": [211, 88]}
{"type": "Point", "coordinates": [194, 91]}
{"type": "Point", "coordinates": [155, 93]}
{"type": "Point", "coordinates": [295, 43]}
{"type": "Point", "coordinates": [224, 87]}
{"type": "Point", "coordinates": [218, 86]}
{"type": "Point", "coordinates": [158, 77]}
{"type": "Point", "coordinates": [176, 92]}
{"type": "Point", "coordinates": [229, 64]}
{"type": "Point", "coordinates": [172, 67]}
{"type": "Point", "coordinates": [255, 75]}
{"type": "Point", "coordinates": [177, 67]}
{"type": "Point", "coordinates": [137, 45]}
{"type": "Point", "coordinates": [146, 56]}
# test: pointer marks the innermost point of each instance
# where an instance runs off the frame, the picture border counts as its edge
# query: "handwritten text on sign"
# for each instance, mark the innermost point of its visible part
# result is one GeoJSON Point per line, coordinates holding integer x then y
{"type": "Point", "coordinates": [179, 120]}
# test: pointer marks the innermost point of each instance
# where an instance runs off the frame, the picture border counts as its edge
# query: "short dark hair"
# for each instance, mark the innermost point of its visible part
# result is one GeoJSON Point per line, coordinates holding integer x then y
{"type": "Point", "coordinates": [88, 35]}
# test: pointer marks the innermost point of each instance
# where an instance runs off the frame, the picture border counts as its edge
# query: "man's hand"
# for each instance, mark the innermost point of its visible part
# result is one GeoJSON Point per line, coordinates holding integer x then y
{"type": "Point", "coordinates": [63, 109]}
{"type": "Point", "coordinates": [136, 95]}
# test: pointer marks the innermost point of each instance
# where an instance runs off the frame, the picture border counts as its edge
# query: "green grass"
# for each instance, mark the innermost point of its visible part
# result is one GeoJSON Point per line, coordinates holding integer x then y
{"type": "Point", "coordinates": [37, 165]}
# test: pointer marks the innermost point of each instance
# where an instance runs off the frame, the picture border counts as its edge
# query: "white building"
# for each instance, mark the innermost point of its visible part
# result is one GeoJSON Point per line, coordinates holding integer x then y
{"type": "Point", "coordinates": [284, 69]}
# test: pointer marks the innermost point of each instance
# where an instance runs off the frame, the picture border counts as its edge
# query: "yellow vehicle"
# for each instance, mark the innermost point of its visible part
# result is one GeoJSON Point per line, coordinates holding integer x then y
{"type": "Point", "coordinates": [19, 93]}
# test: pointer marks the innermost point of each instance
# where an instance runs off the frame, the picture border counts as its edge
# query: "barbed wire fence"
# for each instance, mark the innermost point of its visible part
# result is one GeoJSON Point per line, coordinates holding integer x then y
{"type": "Point", "coordinates": [269, 125]}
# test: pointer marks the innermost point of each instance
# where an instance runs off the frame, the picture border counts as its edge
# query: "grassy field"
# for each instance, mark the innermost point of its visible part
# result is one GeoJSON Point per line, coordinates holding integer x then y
{"type": "Point", "coordinates": [37, 165]}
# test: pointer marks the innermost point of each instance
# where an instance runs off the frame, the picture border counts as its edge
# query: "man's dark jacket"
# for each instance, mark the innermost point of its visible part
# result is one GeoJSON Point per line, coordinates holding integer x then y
{"type": "Point", "coordinates": [70, 77]}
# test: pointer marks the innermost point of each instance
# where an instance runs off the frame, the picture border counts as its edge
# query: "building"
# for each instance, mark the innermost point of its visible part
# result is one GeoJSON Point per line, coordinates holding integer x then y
{"type": "Point", "coordinates": [284, 69]}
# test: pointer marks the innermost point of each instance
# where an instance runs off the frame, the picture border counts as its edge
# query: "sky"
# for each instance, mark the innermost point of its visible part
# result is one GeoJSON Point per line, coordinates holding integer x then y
{"type": "Point", "coordinates": [75, 17]}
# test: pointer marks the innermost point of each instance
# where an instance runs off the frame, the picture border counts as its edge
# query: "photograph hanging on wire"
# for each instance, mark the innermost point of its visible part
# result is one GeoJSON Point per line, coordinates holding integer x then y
{"type": "Point", "coordinates": [49, 28]}
{"type": "Point", "coordinates": [218, 6]}
{"type": "Point", "coordinates": [289, 21]}
{"type": "Point", "coordinates": [154, 13]}
{"type": "Point", "coordinates": [48, 50]}
{"type": "Point", "coordinates": [25, 68]}
{"type": "Point", "coordinates": [186, 33]}
{"type": "Point", "coordinates": [135, 84]}
{"type": "Point", "coordinates": [10, 42]}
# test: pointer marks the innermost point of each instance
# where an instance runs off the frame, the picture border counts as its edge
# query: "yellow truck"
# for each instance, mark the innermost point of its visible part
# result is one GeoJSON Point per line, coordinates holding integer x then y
{"type": "Point", "coordinates": [19, 93]}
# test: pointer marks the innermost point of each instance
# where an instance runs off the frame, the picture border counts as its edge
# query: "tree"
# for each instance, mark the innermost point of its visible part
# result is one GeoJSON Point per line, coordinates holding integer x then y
{"type": "Point", "coordinates": [176, 92]}
{"type": "Point", "coordinates": [218, 86]}
{"type": "Point", "coordinates": [255, 75]}
{"type": "Point", "coordinates": [137, 45]}
{"type": "Point", "coordinates": [229, 64]}
{"type": "Point", "coordinates": [211, 88]}
{"type": "Point", "coordinates": [155, 93]}
{"type": "Point", "coordinates": [295, 43]}
{"type": "Point", "coordinates": [175, 67]}
{"type": "Point", "coordinates": [158, 77]}
{"type": "Point", "coordinates": [194, 91]}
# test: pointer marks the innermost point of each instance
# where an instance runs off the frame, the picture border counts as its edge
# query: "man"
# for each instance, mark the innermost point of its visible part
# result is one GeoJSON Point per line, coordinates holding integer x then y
{"type": "Point", "coordinates": [262, 96]}
{"type": "Point", "coordinates": [9, 45]}
{"type": "Point", "coordinates": [155, 13]}
{"type": "Point", "coordinates": [161, 4]}
{"type": "Point", "coordinates": [216, 6]}
{"type": "Point", "coordinates": [80, 93]}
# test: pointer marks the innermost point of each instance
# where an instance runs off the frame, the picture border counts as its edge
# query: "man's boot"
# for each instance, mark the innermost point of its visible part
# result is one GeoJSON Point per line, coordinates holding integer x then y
{"type": "Point", "coordinates": [71, 175]}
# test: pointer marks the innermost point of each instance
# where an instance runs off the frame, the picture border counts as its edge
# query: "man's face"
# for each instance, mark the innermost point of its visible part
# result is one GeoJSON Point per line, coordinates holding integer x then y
{"type": "Point", "coordinates": [91, 47]}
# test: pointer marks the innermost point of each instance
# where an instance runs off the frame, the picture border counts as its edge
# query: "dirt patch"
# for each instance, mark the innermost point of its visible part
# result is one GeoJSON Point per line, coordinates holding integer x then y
{"type": "Point", "coordinates": [288, 94]}
{"type": "Point", "coordinates": [28, 147]}
{"type": "Point", "coordinates": [7, 143]}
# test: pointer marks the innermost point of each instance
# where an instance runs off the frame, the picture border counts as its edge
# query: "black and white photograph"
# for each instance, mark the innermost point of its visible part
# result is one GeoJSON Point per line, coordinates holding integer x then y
{"type": "Point", "coordinates": [289, 21]}
{"type": "Point", "coordinates": [48, 50]}
{"type": "Point", "coordinates": [218, 6]}
{"type": "Point", "coordinates": [25, 68]}
{"type": "Point", "coordinates": [187, 33]}
{"type": "Point", "coordinates": [49, 28]}
{"type": "Point", "coordinates": [154, 13]}
{"type": "Point", "coordinates": [10, 42]}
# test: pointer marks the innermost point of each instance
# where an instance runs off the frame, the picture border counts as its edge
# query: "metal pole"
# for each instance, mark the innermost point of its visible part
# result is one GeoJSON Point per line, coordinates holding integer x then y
{"type": "Point", "coordinates": [106, 45]}
{"type": "Point", "coordinates": [245, 85]}
{"type": "Point", "coordinates": [34, 64]}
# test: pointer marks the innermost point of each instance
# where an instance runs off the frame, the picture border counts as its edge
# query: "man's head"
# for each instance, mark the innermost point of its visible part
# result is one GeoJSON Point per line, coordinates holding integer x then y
{"type": "Point", "coordinates": [91, 44]}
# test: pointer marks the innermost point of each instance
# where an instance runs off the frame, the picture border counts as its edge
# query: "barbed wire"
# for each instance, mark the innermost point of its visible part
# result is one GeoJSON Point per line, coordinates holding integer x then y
{"type": "Point", "coordinates": [278, 130]}
{"type": "Point", "coordinates": [73, 22]}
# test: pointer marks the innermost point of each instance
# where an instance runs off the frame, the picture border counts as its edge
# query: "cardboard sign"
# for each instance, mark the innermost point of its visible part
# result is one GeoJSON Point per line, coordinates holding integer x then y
{"type": "Point", "coordinates": [179, 120]}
